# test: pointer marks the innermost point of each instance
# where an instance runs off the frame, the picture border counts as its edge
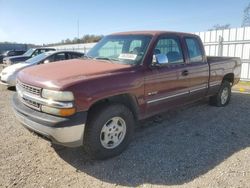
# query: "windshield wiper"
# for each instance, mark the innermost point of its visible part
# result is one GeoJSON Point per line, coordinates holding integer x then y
{"type": "Point", "coordinates": [106, 58]}
{"type": "Point", "coordinates": [86, 56]}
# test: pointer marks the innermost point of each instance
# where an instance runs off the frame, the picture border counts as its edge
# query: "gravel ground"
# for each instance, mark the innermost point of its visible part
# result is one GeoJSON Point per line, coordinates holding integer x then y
{"type": "Point", "coordinates": [196, 146]}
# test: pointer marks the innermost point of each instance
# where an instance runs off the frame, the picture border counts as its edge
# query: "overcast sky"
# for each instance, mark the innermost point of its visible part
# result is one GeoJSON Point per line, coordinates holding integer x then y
{"type": "Point", "coordinates": [45, 21]}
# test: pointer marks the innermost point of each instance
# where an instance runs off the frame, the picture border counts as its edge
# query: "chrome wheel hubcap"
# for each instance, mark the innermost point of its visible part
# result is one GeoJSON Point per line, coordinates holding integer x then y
{"type": "Point", "coordinates": [224, 95]}
{"type": "Point", "coordinates": [113, 132]}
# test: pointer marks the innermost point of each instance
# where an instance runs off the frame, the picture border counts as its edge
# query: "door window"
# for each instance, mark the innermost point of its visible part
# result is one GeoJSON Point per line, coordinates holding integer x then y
{"type": "Point", "coordinates": [59, 57]}
{"type": "Point", "coordinates": [194, 50]}
{"type": "Point", "coordinates": [50, 59]}
{"type": "Point", "coordinates": [73, 55]}
{"type": "Point", "coordinates": [170, 47]}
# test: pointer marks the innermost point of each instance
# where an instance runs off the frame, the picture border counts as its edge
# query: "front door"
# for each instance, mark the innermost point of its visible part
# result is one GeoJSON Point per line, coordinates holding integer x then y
{"type": "Point", "coordinates": [166, 85]}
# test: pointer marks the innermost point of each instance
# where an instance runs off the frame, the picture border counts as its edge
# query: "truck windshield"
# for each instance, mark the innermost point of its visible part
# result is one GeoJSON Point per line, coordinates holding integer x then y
{"type": "Point", "coordinates": [29, 52]}
{"type": "Point", "coordinates": [123, 49]}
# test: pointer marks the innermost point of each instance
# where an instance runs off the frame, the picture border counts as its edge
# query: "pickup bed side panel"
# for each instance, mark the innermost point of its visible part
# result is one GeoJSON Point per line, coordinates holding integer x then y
{"type": "Point", "coordinates": [219, 68]}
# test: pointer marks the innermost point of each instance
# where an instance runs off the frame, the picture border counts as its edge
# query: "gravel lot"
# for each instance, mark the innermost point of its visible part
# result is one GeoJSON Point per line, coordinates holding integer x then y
{"type": "Point", "coordinates": [196, 146]}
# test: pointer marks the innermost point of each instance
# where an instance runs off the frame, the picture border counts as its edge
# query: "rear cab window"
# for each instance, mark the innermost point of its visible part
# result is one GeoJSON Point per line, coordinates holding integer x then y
{"type": "Point", "coordinates": [194, 49]}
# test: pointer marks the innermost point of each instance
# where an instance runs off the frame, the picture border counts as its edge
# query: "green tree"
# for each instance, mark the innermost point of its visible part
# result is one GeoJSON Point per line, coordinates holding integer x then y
{"type": "Point", "coordinates": [246, 17]}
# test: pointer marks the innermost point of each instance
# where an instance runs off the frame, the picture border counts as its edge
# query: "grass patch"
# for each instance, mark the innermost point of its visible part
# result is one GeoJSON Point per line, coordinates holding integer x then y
{"type": "Point", "coordinates": [245, 83]}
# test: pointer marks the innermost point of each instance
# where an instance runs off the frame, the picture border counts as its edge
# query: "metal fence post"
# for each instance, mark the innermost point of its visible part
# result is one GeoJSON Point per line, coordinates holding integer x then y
{"type": "Point", "coordinates": [220, 48]}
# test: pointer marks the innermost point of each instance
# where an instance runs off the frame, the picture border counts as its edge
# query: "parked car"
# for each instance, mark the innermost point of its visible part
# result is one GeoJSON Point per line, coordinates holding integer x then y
{"type": "Point", "coordinates": [95, 102]}
{"type": "Point", "coordinates": [11, 53]}
{"type": "Point", "coordinates": [7, 61]}
{"type": "Point", "coordinates": [9, 74]}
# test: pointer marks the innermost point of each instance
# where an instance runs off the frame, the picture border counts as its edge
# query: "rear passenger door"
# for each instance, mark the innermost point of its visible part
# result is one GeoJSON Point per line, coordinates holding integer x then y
{"type": "Point", "coordinates": [197, 68]}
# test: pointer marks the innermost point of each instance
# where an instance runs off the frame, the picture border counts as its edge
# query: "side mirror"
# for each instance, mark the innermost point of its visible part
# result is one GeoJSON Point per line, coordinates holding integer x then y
{"type": "Point", "coordinates": [46, 61]}
{"type": "Point", "coordinates": [160, 59]}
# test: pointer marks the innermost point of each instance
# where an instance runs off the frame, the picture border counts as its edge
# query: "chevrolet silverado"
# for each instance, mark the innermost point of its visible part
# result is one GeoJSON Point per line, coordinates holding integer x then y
{"type": "Point", "coordinates": [95, 101]}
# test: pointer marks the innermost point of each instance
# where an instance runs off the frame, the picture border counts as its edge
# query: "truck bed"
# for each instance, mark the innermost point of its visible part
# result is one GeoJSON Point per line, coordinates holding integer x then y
{"type": "Point", "coordinates": [212, 59]}
{"type": "Point", "coordinates": [221, 66]}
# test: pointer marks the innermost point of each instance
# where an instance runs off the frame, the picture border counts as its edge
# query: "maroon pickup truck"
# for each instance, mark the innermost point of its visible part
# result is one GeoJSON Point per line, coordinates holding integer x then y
{"type": "Point", "coordinates": [95, 101]}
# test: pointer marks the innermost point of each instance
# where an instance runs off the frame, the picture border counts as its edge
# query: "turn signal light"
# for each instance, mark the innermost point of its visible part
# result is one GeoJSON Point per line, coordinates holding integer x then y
{"type": "Point", "coordinates": [58, 111]}
{"type": "Point", "coordinates": [67, 111]}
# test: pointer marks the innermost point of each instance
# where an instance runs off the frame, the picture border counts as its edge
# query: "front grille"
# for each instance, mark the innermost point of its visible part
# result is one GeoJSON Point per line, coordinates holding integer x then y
{"type": "Point", "coordinates": [31, 104]}
{"type": "Point", "coordinates": [21, 88]}
{"type": "Point", "coordinates": [30, 89]}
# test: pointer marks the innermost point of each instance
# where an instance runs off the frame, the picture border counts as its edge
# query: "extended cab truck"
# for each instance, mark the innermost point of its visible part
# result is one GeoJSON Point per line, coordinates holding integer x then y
{"type": "Point", "coordinates": [95, 101]}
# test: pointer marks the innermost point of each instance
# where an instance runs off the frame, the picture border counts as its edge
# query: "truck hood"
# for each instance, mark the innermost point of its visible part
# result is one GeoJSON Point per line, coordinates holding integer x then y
{"type": "Point", "coordinates": [59, 75]}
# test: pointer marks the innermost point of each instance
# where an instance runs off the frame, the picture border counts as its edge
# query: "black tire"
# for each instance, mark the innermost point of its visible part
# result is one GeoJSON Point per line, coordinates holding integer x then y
{"type": "Point", "coordinates": [96, 120]}
{"type": "Point", "coordinates": [217, 99]}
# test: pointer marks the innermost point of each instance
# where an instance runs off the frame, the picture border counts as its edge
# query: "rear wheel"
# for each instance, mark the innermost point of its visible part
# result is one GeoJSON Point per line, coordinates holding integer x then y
{"type": "Point", "coordinates": [108, 131]}
{"type": "Point", "coordinates": [223, 96]}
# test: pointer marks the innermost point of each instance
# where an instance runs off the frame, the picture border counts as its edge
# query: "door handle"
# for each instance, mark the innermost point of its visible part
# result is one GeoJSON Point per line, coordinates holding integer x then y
{"type": "Point", "coordinates": [184, 73]}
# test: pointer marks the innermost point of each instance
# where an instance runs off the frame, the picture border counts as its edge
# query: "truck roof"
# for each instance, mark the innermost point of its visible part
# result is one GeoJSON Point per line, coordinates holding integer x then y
{"type": "Point", "coordinates": [151, 33]}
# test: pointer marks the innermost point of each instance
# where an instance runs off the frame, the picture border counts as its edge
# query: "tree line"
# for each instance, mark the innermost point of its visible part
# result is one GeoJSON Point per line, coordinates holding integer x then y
{"type": "Point", "coordinates": [85, 39]}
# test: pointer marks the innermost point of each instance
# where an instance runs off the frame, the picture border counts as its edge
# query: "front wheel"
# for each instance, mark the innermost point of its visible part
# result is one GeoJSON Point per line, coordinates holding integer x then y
{"type": "Point", "coordinates": [108, 131]}
{"type": "Point", "coordinates": [223, 96]}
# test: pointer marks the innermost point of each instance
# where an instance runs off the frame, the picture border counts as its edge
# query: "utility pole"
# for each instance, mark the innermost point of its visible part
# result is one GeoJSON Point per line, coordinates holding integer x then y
{"type": "Point", "coordinates": [78, 32]}
{"type": "Point", "coordinates": [246, 17]}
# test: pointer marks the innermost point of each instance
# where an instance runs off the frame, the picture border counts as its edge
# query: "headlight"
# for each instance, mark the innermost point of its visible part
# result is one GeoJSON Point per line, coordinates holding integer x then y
{"type": "Point", "coordinates": [9, 62]}
{"type": "Point", "coordinates": [58, 111]}
{"type": "Point", "coordinates": [58, 95]}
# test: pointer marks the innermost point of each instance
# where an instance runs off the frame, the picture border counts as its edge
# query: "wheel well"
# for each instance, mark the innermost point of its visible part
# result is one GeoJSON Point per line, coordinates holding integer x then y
{"type": "Point", "coordinates": [125, 99]}
{"type": "Point", "coordinates": [229, 77]}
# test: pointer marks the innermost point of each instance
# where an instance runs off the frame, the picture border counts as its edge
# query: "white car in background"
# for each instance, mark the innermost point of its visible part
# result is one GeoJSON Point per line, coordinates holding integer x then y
{"type": "Point", "coordinates": [9, 74]}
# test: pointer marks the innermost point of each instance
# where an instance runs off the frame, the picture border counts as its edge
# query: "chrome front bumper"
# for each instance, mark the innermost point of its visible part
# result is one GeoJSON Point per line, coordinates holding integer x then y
{"type": "Point", "coordinates": [63, 131]}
